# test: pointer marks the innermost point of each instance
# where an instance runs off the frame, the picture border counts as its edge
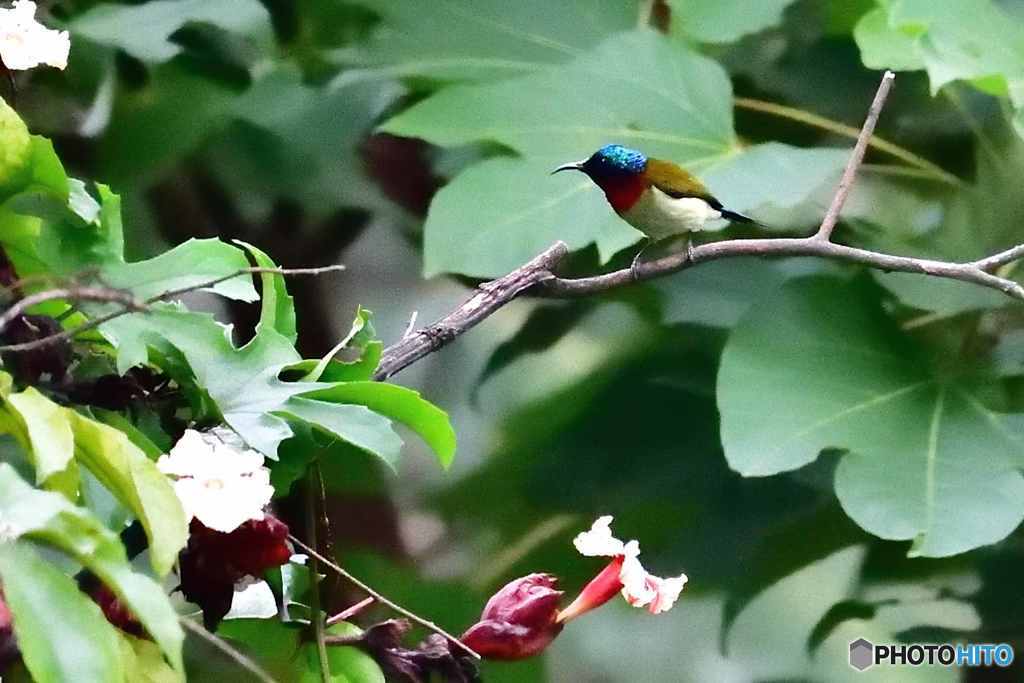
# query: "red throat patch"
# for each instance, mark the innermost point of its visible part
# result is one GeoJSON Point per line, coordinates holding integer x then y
{"type": "Point", "coordinates": [623, 191]}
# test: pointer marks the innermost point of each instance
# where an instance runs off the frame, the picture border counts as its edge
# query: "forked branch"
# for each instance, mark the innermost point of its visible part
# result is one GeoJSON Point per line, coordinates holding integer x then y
{"type": "Point", "coordinates": [538, 275]}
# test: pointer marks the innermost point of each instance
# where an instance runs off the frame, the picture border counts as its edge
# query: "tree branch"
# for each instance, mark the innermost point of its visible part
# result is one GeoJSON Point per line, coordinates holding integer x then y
{"type": "Point", "coordinates": [384, 601]}
{"type": "Point", "coordinates": [132, 306]}
{"type": "Point", "coordinates": [106, 294]}
{"type": "Point", "coordinates": [538, 275]}
{"type": "Point", "coordinates": [856, 159]}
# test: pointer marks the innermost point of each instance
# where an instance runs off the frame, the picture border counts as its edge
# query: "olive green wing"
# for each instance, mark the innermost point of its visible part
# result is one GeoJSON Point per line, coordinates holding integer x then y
{"type": "Point", "coordinates": [677, 182]}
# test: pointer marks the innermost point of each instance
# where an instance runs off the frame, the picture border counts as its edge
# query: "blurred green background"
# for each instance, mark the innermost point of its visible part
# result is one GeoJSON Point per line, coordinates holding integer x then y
{"type": "Point", "coordinates": [265, 121]}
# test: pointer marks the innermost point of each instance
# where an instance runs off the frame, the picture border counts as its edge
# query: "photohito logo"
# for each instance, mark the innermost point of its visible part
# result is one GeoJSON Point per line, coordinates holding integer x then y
{"type": "Point", "coordinates": [864, 654]}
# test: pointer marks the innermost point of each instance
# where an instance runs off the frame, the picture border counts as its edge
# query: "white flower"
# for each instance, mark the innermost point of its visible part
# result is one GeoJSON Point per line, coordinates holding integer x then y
{"type": "Point", "coordinates": [599, 542]}
{"type": "Point", "coordinates": [219, 481]}
{"type": "Point", "coordinates": [639, 588]}
{"type": "Point", "coordinates": [25, 43]}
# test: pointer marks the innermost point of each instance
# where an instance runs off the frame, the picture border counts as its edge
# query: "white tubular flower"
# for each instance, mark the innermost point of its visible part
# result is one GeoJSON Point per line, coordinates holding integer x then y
{"type": "Point", "coordinates": [599, 542]}
{"type": "Point", "coordinates": [624, 574]}
{"type": "Point", "coordinates": [219, 481]}
{"type": "Point", "coordinates": [25, 43]}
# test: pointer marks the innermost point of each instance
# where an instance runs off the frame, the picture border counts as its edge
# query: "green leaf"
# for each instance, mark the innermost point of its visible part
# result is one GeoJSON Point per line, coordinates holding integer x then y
{"type": "Point", "coordinates": [49, 518]}
{"type": "Point", "coordinates": [525, 213]}
{"type": "Point", "coordinates": [401, 405]}
{"type": "Point", "coordinates": [135, 481]}
{"type": "Point", "coordinates": [62, 634]}
{"type": "Point", "coordinates": [485, 39]}
{"type": "Point", "coordinates": [972, 40]}
{"type": "Point", "coordinates": [797, 176]}
{"type": "Point", "coordinates": [806, 646]}
{"type": "Point", "coordinates": [927, 460]}
{"type": "Point", "coordinates": [884, 47]}
{"type": "Point", "coordinates": [186, 265]}
{"type": "Point", "coordinates": [355, 424]}
{"type": "Point", "coordinates": [347, 664]}
{"type": "Point", "coordinates": [978, 220]}
{"type": "Point", "coordinates": [680, 110]}
{"type": "Point", "coordinates": [724, 21]}
{"type": "Point", "coordinates": [143, 662]}
{"type": "Point", "coordinates": [719, 293]}
{"type": "Point", "coordinates": [277, 309]}
{"type": "Point", "coordinates": [360, 336]}
{"type": "Point", "coordinates": [46, 436]}
{"type": "Point", "coordinates": [145, 31]}
{"type": "Point", "coordinates": [635, 88]}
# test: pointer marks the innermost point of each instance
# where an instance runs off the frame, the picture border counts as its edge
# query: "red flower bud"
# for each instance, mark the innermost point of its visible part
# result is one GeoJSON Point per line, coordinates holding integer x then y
{"type": "Point", "coordinates": [115, 611]}
{"type": "Point", "coordinates": [519, 621]}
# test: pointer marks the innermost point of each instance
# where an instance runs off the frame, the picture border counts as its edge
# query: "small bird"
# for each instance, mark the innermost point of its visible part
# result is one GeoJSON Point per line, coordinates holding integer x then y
{"type": "Point", "coordinates": [656, 197]}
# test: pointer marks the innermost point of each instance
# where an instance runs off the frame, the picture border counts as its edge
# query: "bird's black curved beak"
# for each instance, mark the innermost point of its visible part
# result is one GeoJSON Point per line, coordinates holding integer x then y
{"type": "Point", "coordinates": [574, 166]}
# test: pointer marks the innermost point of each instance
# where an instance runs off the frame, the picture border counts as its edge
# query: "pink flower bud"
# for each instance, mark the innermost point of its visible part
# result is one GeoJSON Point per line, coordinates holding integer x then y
{"type": "Point", "coordinates": [519, 621]}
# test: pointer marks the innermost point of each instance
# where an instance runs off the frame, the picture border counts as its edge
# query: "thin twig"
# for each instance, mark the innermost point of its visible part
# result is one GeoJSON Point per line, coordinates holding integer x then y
{"type": "Point", "coordinates": [384, 601]}
{"type": "Point", "coordinates": [105, 294]}
{"type": "Point", "coordinates": [222, 645]}
{"type": "Point", "coordinates": [349, 612]}
{"type": "Point", "coordinates": [163, 296]}
{"type": "Point", "coordinates": [856, 159]}
{"type": "Point", "coordinates": [538, 274]}
{"type": "Point", "coordinates": [882, 145]}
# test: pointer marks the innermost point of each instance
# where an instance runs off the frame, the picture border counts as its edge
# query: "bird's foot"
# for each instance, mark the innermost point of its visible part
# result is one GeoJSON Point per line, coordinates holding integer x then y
{"type": "Point", "coordinates": [689, 251]}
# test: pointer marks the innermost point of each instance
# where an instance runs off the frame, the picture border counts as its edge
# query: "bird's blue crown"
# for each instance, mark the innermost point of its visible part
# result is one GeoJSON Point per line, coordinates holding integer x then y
{"type": "Point", "coordinates": [621, 158]}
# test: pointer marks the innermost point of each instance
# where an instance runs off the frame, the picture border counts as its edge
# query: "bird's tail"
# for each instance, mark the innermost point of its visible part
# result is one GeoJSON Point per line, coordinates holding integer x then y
{"type": "Point", "coordinates": [736, 217]}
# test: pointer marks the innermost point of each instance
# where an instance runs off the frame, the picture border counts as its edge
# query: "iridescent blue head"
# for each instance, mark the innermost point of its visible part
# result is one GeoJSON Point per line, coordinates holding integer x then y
{"type": "Point", "coordinates": [610, 160]}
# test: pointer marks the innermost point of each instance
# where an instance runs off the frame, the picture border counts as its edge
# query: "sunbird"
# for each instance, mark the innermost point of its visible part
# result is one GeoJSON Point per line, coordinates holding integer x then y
{"type": "Point", "coordinates": [657, 197]}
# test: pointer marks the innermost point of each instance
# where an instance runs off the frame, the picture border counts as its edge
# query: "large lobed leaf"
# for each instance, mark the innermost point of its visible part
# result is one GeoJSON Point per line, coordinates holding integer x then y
{"type": "Point", "coordinates": [485, 39]}
{"type": "Point", "coordinates": [818, 366]}
{"type": "Point", "coordinates": [970, 40]}
{"type": "Point", "coordinates": [635, 88]}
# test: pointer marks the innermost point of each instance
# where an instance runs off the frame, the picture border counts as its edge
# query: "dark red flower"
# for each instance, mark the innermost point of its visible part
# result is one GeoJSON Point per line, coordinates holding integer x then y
{"type": "Point", "coordinates": [213, 562]}
{"type": "Point", "coordinates": [115, 611]}
{"type": "Point", "coordinates": [519, 621]}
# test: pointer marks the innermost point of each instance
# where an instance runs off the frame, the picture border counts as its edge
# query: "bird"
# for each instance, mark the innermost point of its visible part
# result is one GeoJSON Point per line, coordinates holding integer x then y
{"type": "Point", "coordinates": [657, 197]}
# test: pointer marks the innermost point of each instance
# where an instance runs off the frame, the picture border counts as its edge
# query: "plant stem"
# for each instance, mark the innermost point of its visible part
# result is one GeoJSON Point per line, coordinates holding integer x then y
{"type": "Point", "coordinates": [794, 114]}
{"type": "Point", "coordinates": [314, 488]}
{"type": "Point", "coordinates": [412, 616]}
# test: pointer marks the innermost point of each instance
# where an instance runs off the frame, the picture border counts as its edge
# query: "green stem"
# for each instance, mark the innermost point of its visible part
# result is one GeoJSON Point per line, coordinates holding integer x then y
{"type": "Point", "coordinates": [314, 491]}
{"type": "Point", "coordinates": [792, 113]}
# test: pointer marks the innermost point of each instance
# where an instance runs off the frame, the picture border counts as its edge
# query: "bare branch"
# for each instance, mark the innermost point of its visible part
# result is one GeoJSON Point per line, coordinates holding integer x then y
{"type": "Point", "coordinates": [384, 601]}
{"type": "Point", "coordinates": [489, 297]}
{"type": "Point", "coordinates": [856, 159]}
{"type": "Point", "coordinates": [538, 276]}
{"type": "Point", "coordinates": [109, 295]}
{"type": "Point", "coordinates": [163, 296]}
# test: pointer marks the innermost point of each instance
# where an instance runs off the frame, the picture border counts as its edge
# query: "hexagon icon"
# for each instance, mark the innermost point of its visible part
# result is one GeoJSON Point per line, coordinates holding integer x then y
{"type": "Point", "coordinates": [862, 654]}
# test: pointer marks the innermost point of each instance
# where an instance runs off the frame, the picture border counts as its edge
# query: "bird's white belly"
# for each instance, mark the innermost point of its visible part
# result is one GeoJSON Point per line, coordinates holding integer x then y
{"type": "Point", "coordinates": [658, 215]}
